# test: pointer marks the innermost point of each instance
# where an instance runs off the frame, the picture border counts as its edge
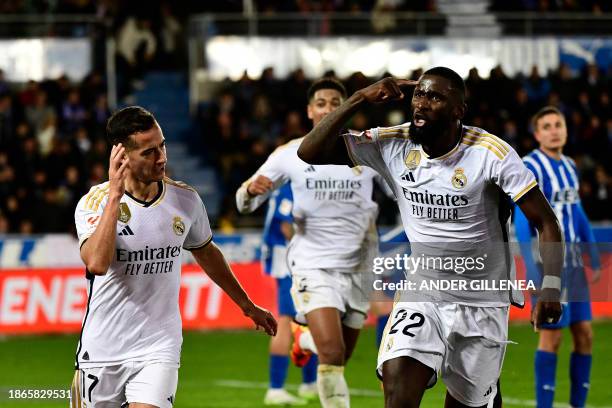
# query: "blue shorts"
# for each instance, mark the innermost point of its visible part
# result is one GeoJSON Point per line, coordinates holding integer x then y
{"type": "Point", "coordinates": [285, 302]}
{"type": "Point", "coordinates": [573, 312]}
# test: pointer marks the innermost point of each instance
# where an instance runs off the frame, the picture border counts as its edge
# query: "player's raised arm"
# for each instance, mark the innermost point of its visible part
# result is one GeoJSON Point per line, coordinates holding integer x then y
{"type": "Point", "coordinates": [211, 259]}
{"type": "Point", "coordinates": [270, 176]}
{"type": "Point", "coordinates": [322, 145]}
{"type": "Point", "coordinates": [98, 250]}
{"type": "Point", "coordinates": [539, 213]}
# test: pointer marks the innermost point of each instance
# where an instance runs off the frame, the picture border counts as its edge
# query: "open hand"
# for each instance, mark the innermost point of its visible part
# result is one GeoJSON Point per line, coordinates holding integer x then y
{"type": "Point", "coordinates": [117, 171]}
{"type": "Point", "coordinates": [262, 318]}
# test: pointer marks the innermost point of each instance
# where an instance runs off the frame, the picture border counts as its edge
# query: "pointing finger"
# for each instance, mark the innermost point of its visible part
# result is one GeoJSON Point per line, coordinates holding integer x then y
{"type": "Point", "coordinates": [405, 82]}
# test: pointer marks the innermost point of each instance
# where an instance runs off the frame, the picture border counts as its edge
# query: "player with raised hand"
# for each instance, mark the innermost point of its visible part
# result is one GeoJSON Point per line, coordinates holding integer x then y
{"type": "Point", "coordinates": [557, 177]}
{"type": "Point", "coordinates": [452, 183]}
{"type": "Point", "coordinates": [132, 231]}
{"type": "Point", "coordinates": [335, 235]}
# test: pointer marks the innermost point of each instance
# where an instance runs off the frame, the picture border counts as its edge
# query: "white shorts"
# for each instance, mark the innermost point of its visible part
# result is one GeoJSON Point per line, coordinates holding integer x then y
{"type": "Point", "coordinates": [318, 288]}
{"type": "Point", "coordinates": [117, 386]}
{"type": "Point", "coordinates": [465, 345]}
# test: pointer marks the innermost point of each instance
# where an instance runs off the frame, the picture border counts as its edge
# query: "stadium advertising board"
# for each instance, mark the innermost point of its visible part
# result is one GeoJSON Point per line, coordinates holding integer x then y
{"type": "Point", "coordinates": [43, 287]}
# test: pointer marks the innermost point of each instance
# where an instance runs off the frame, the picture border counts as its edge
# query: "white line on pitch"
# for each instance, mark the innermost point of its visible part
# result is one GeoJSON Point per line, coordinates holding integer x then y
{"type": "Point", "coordinates": [264, 385]}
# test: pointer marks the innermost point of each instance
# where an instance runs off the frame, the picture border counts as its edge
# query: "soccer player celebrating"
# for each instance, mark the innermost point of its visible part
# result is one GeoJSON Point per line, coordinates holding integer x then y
{"type": "Point", "coordinates": [558, 178]}
{"type": "Point", "coordinates": [334, 218]}
{"type": "Point", "coordinates": [132, 231]}
{"type": "Point", "coordinates": [451, 182]}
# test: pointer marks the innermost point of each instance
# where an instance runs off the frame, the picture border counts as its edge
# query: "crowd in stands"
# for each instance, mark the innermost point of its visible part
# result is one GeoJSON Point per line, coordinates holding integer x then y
{"type": "Point", "coordinates": [52, 149]}
{"type": "Point", "coordinates": [249, 118]}
{"type": "Point", "coordinates": [52, 145]}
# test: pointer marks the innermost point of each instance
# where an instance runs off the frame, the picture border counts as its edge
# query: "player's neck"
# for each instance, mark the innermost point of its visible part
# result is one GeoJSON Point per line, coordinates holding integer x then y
{"type": "Point", "coordinates": [552, 153]}
{"type": "Point", "coordinates": [445, 143]}
{"type": "Point", "coordinates": [140, 190]}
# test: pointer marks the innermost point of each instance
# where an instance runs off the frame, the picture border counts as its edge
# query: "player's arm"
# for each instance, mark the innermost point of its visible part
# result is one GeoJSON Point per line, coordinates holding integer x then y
{"type": "Point", "coordinates": [586, 234]}
{"type": "Point", "coordinates": [323, 145]}
{"type": "Point", "coordinates": [98, 250]}
{"type": "Point", "coordinates": [538, 212]}
{"type": "Point", "coordinates": [256, 190]}
{"type": "Point", "coordinates": [211, 259]}
{"type": "Point", "coordinates": [524, 233]}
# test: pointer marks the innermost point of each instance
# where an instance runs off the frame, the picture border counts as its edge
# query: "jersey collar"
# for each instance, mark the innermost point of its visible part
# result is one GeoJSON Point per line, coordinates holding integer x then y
{"type": "Point", "coordinates": [161, 189]}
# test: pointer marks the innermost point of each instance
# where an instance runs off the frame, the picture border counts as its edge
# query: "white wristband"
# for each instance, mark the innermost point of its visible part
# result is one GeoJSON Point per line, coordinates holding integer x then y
{"type": "Point", "coordinates": [551, 282]}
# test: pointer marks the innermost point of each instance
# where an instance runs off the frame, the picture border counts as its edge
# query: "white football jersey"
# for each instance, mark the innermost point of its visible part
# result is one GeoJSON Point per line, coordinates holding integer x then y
{"type": "Point", "coordinates": [133, 311]}
{"type": "Point", "coordinates": [457, 199]}
{"type": "Point", "coordinates": [333, 209]}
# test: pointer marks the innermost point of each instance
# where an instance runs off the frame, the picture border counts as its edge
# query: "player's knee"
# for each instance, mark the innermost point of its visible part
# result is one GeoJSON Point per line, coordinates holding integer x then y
{"type": "Point", "coordinates": [396, 396]}
{"type": "Point", "coordinates": [583, 340]}
{"type": "Point", "coordinates": [550, 340]}
{"type": "Point", "coordinates": [331, 352]}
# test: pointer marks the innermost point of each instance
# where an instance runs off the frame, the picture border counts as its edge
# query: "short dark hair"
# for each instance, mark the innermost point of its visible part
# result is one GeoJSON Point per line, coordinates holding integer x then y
{"type": "Point", "coordinates": [126, 122]}
{"type": "Point", "coordinates": [547, 110]}
{"type": "Point", "coordinates": [454, 78]}
{"type": "Point", "coordinates": [326, 83]}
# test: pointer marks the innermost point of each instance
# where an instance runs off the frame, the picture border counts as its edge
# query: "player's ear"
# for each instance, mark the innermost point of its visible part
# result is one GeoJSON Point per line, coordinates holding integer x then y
{"type": "Point", "coordinates": [460, 110]}
{"type": "Point", "coordinates": [309, 111]}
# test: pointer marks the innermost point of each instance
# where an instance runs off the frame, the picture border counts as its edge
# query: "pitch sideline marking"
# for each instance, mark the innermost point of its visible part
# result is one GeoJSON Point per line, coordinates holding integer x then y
{"type": "Point", "coordinates": [373, 393]}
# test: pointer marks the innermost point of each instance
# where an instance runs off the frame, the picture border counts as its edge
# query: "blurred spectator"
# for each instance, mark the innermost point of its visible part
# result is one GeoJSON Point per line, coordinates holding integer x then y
{"type": "Point", "coordinates": [74, 113]}
{"type": "Point", "coordinates": [37, 114]}
{"type": "Point", "coordinates": [136, 46]}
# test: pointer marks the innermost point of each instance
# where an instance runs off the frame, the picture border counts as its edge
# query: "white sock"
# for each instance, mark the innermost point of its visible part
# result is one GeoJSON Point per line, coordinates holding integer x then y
{"type": "Point", "coordinates": [333, 390]}
{"type": "Point", "coordinates": [307, 343]}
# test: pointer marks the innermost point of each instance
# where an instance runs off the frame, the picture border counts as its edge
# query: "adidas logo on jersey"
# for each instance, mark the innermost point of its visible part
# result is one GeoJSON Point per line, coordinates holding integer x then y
{"type": "Point", "coordinates": [171, 399]}
{"type": "Point", "coordinates": [409, 177]}
{"type": "Point", "coordinates": [310, 169]}
{"type": "Point", "coordinates": [489, 391]}
{"type": "Point", "coordinates": [126, 231]}
{"type": "Point", "coordinates": [86, 356]}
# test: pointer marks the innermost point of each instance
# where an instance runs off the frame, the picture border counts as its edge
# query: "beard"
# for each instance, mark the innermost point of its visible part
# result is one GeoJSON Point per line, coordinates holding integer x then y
{"type": "Point", "coordinates": [427, 133]}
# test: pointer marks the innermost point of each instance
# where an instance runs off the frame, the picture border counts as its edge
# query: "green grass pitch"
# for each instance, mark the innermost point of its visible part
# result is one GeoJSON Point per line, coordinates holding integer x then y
{"type": "Point", "coordinates": [229, 369]}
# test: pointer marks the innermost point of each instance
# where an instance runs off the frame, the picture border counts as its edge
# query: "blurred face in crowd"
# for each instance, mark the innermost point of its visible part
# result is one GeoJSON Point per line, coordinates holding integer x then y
{"type": "Point", "coordinates": [551, 132]}
{"type": "Point", "coordinates": [435, 108]}
{"type": "Point", "coordinates": [323, 102]}
{"type": "Point", "coordinates": [147, 155]}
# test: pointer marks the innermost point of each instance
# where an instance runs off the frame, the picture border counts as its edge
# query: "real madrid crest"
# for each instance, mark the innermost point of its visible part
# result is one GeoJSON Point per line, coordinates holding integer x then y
{"type": "Point", "coordinates": [413, 159]}
{"type": "Point", "coordinates": [124, 214]}
{"type": "Point", "coordinates": [459, 180]}
{"type": "Point", "coordinates": [178, 226]}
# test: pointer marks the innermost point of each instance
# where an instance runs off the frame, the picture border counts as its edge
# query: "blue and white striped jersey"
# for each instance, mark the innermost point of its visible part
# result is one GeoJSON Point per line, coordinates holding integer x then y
{"type": "Point", "coordinates": [558, 180]}
{"type": "Point", "coordinates": [280, 205]}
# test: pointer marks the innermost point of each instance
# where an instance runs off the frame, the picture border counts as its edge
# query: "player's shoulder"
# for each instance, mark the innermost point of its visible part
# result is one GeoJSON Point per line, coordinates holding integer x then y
{"type": "Point", "coordinates": [94, 197]}
{"type": "Point", "coordinates": [290, 147]}
{"type": "Point", "coordinates": [569, 160]}
{"type": "Point", "coordinates": [398, 132]}
{"type": "Point", "coordinates": [179, 187]}
{"type": "Point", "coordinates": [488, 143]}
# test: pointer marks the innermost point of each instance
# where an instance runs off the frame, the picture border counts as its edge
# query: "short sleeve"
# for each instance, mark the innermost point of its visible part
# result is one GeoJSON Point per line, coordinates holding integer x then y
{"type": "Point", "coordinates": [88, 212]}
{"type": "Point", "coordinates": [512, 176]}
{"type": "Point", "coordinates": [200, 233]}
{"type": "Point", "coordinates": [363, 148]}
